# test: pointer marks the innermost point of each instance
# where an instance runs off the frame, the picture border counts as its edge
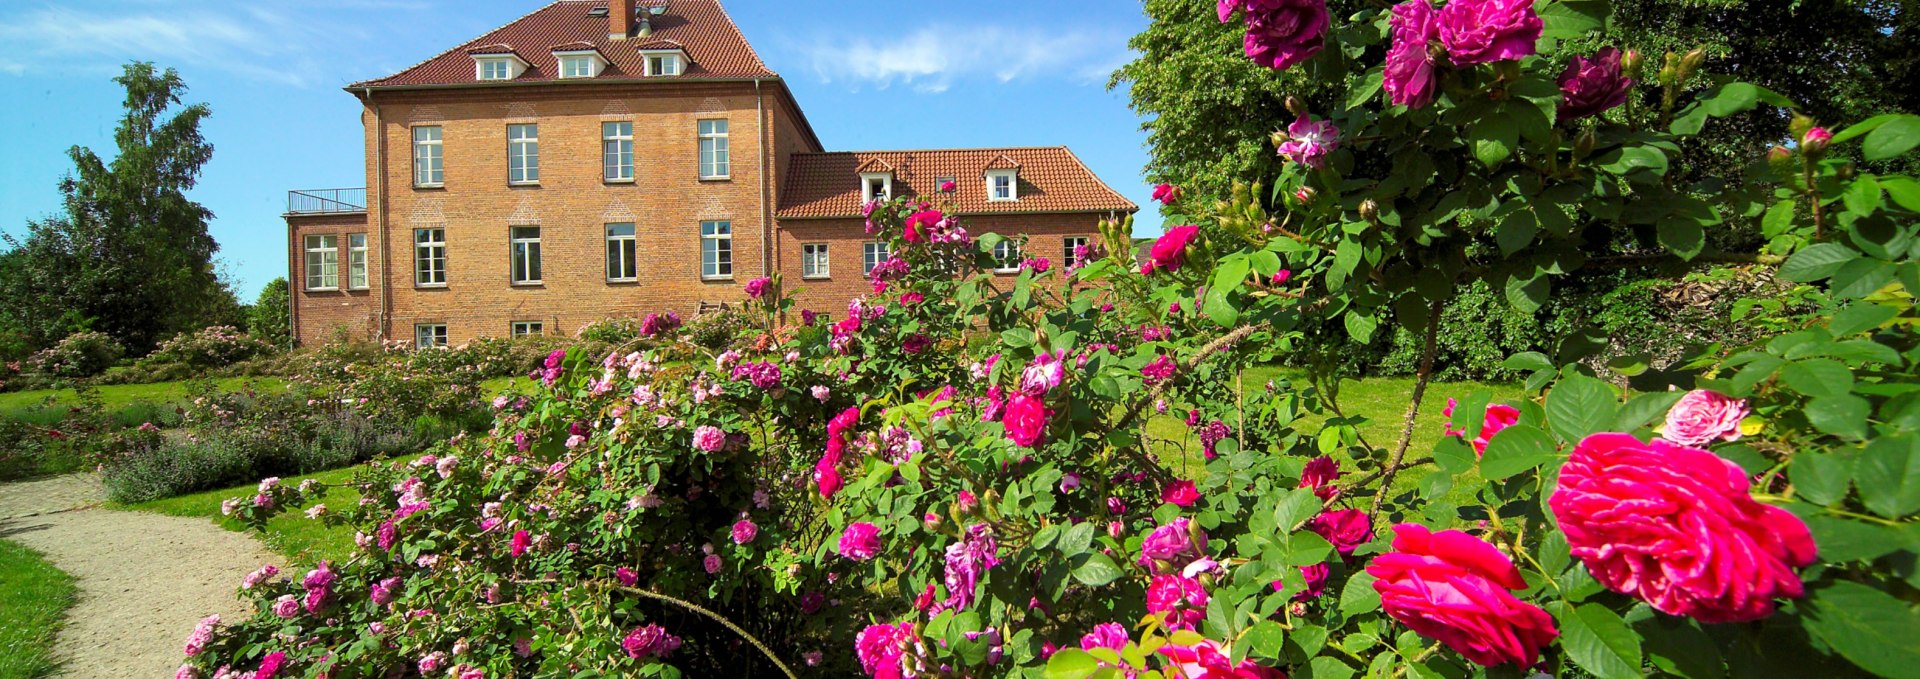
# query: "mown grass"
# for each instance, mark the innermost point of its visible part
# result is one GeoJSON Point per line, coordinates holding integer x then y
{"type": "Point", "coordinates": [33, 596]}
{"type": "Point", "coordinates": [130, 404]}
{"type": "Point", "coordinates": [292, 534]}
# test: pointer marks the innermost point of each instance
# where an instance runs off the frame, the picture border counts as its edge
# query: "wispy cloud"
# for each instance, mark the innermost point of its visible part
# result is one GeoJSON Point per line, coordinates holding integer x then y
{"type": "Point", "coordinates": [933, 59]}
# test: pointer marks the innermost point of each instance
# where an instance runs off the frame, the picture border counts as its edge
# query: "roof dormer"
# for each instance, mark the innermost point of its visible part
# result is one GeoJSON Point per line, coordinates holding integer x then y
{"type": "Point", "coordinates": [876, 180]}
{"type": "Point", "coordinates": [664, 58]}
{"type": "Point", "coordinates": [579, 60]}
{"type": "Point", "coordinates": [497, 62]}
{"type": "Point", "coordinates": [1003, 179]}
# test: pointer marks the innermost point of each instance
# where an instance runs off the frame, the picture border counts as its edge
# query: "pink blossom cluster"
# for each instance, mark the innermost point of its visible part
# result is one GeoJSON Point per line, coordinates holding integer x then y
{"type": "Point", "coordinates": [966, 561]}
{"type": "Point", "coordinates": [651, 641]}
{"type": "Point", "coordinates": [1280, 33]}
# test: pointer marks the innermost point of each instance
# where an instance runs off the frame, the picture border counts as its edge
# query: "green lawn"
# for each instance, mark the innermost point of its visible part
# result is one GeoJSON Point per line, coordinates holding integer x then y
{"type": "Point", "coordinates": [293, 534]}
{"type": "Point", "coordinates": [33, 595]}
{"type": "Point", "coordinates": [143, 402]}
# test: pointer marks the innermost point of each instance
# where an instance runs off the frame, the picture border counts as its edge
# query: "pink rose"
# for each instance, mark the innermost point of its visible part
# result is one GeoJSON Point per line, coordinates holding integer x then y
{"type": "Point", "coordinates": [1591, 86]}
{"type": "Point", "coordinates": [860, 541]}
{"type": "Point", "coordinates": [1110, 635]}
{"type": "Point", "coordinates": [1170, 251]}
{"type": "Point", "coordinates": [709, 439]}
{"type": "Point", "coordinates": [1026, 420]}
{"type": "Point", "coordinates": [1176, 542]}
{"type": "Point", "coordinates": [1677, 528]}
{"type": "Point", "coordinates": [1408, 77]}
{"type": "Point", "coordinates": [1704, 417]}
{"type": "Point", "coordinates": [1166, 193]}
{"type": "Point", "coordinates": [882, 649]}
{"type": "Point", "coordinates": [1346, 529]}
{"type": "Point", "coordinates": [757, 287]}
{"type": "Point", "coordinates": [1319, 474]}
{"type": "Point", "coordinates": [1316, 581]}
{"type": "Point", "coordinates": [1309, 142]}
{"type": "Point", "coordinates": [744, 531]}
{"type": "Point", "coordinates": [270, 665]}
{"type": "Point", "coordinates": [920, 224]}
{"type": "Point", "coordinates": [652, 641]}
{"type": "Point", "coordinates": [1180, 494]}
{"type": "Point", "coordinates": [1209, 659]}
{"type": "Point", "coordinates": [1486, 31]}
{"type": "Point", "coordinates": [521, 539]}
{"type": "Point", "coordinates": [1281, 33]}
{"type": "Point", "coordinates": [1498, 417]}
{"type": "Point", "coordinates": [1182, 599]}
{"type": "Point", "coordinates": [1160, 370]}
{"type": "Point", "coordinates": [1815, 141]}
{"type": "Point", "coordinates": [1452, 587]}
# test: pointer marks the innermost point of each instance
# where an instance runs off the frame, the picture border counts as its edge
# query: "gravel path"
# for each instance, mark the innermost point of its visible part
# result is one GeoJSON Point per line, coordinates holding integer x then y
{"type": "Point", "coordinates": [144, 579]}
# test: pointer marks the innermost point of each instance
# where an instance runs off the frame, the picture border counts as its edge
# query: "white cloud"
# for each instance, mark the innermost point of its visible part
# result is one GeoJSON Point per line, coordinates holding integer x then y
{"type": "Point", "coordinates": [932, 59]}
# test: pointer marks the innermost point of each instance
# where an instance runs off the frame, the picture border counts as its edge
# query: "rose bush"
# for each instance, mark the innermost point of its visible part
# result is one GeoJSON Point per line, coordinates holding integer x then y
{"type": "Point", "coordinates": [1088, 488]}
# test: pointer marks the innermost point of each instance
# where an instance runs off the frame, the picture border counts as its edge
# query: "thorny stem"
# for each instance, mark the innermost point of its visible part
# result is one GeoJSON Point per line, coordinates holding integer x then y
{"type": "Point", "coordinates": [1427, 353]}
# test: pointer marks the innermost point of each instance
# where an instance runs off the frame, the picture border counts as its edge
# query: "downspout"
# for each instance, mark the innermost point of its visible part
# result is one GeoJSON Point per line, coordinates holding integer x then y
{"type": "Point", "coordinates": [380, 194]}
{"type": "Point", "coordinates": [767, 251]}
{"type": "Point", "coordinates": [293, 272]}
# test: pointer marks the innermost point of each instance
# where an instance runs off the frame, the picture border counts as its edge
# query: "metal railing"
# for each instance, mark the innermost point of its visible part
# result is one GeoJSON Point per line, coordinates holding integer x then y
{"type": "Point", "coordinates": [326, 201]}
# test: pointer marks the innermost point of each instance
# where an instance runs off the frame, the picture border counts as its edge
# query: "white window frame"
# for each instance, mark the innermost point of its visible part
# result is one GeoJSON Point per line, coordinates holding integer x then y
{"type": "Point", "coordinates": [1012, 178]}
{"type": "Point", "coordinates": [872, 253]}
{"type": "Point", "coordinates": [523, 244]}
{"type": "Point", "coordinates": [429, 335]}
{"type": "Point", "coordinates": [429, 157]}
{"type": "Point", "coordinates": [716, 250]}
{"type": "Point", "coordinates": [867, 194]}
{"type": "Point", "coordinates": [623, 252]}
{"type": "Point", "coordinates": [664, 64]}
{"type": "Point", "coordinates": [524, 148]}
{"type": "Point", "coordinates": [1070, 242]}
{"type": "Point", "coordinates": [816, 261]}
{"type": "Point", "coordinates": [357, 261]}
{"type": "Point", "coordinates": [577, 65]}
{"type": "Point", "coordinates": [498, 67]}
{"type": "Point", "coordinates": [430, 258]}
{"type": "Point", "coordinates": [323, 262]}
{"type": "Point", "coordinates": [519, 329]}
{"type": "Point", "coordinates": [716, 149]}
{"type": "Point", "coordinates": [1007, 256]}
{"type": "Point", "coordinates": [616, 152]}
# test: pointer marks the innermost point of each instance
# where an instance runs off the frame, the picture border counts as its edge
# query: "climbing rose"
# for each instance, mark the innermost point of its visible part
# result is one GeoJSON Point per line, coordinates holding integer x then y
{"type": "Point", "coordinates": [202, 635]}
{"type": "Point", "coordinates": [520, 541]}
{"type": "Point", "coordinates": [921, 224]}
{"type": "Point", "coordinates": [757, 287]}
{"type": "Point", "coordinates": [1453, 587]}
{"type": "Point", "coordinates": [1160, 370]}
{"type": "Point", "coordinates": [1208, 660]}
{"type": "Point", "coordinates": [1499, 417]}
{"type": "Point", "coordinates": [651, 641]}
{"type": "Point", "coordinates": [1111, 635]}
{"type": "Point", "coordinates": [744, 531]}
{"type": "Point", "coordinates": [712, 563]}
{"type": "Point", "coordinates": [860, 542]}
{"type": "Point", "coordinates": [319, 586]}
{"type": "Point", "coordinates": [709, 439]}
{"type": "Point", "coordinates": [1408, 77]}
{"type": "Point", "coordinates": [1281, 33]}
{"type": "Point", "coordinates": [1592, 85]}
{"type": "Point", "coordinates": [882, 649]}
{"type": "Point", "coordinates": [1704, 417]}
{"type": "Point", "coordinates": [1166, 193]}
{"type": "Point", "coordinates": [1486, 31]}
{"type": "Point", "coordinates": [1309, 142]}
{"type": "Point", "coordinates": [384, 591]}
{"type": "Point", "coordinates": [1026, 420]}
{"type": "Point", "coordinates": [1346, 529]}
{"type": "Point", "coordinates": [1180, 494]}
{"type": "Point", "coordinates": [967, 559]}
{"type": "Point", "coordinates": [1181, 598]}
{"type": "Point", "coordinates": [1677, 527]}
{"type": "Point", "coordinates": [286, 606]}
{"type": "Point", "coordinates": [255, 578]}
{"type": "Point", "coordinates": [1319, 474]}
{"type": "Point", "coordinates": [1170, 251]}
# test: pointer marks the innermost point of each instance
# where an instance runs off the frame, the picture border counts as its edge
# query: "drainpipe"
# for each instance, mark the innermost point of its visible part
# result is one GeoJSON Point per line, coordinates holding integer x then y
{"type": "Point", "coordinates": [767, 250]}
{"type": "Point", "coordinates": [380, 193]}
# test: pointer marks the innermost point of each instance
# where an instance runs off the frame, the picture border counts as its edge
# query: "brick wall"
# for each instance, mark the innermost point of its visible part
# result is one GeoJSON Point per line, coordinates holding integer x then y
{"type": "Point", "coordinates": [318, 314]}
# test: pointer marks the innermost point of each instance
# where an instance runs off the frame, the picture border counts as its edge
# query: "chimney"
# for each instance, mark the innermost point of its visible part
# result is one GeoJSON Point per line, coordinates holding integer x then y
{"type": "Point", "coordinates": [620, 19]}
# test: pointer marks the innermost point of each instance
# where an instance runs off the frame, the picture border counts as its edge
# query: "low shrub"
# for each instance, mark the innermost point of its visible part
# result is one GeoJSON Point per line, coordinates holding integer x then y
{"type": "Point", "coordinates": [716, 330]}
{"type": "Point", "coordinates": [615, 331]}
{"type": "Point", "coordinates": [82, 354]}
{"type": "Point", "coordinates": [214, 347]}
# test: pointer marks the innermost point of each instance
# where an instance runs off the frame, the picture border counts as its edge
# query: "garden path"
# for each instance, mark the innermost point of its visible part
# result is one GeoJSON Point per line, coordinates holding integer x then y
{"type": "Point", "coordinates": [144, 579]}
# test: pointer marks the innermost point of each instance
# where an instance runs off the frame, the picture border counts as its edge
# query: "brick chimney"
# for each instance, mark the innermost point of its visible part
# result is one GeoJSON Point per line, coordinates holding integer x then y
{"type": "Point", "coordinates": [620, 19]}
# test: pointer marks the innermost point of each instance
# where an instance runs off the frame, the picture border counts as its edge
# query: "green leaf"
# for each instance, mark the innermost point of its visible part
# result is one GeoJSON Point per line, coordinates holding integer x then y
{"type": "Point", "coordinates": [1817, 262]}
{"type": "Point", "coordinates": [1645, 409]}
{"type": "Point", "coordinates": [1844, 415]}
{"type": "Point", "coordinates": [1845, 540]}
{"type": "Point", "coordinates": [1367, 89]}
{"type": "Point", "coordinates": [1077, 540]}
{"type": "Point", "coordinates": [1627, 160]}
{"type": "Point", "coordinates": [1493, 139]}
{"type": "Point", "coordinates": [1819, 377]}
{"type": "Point", "coordinates": [1266, 639]}
{"type": "Point", "coordinates": [1361, 326]}
{"type": "Point", "coordinates": [1526, 361]}
{"type": "Point", "coordinates": [1346, 257]}
{"type": "Point", "coordinates": [1860, 317]}
{"type": "Point", "coordinates": [1729, 99]}
{"type": "Point", "coordinates": [1580, 406]}
{"type": "Point", "coordinates": [1821, 478]}
{"type": "Point", "coordinates": [1516, 232]}
{"type": "Point", "coordinates": [1470, 413]}
{"type": "Point", "coordinates": [1329, 667]}
{"type": "Point", "coordinates": [1685, 237]}
{"type": "Point", "coordinates": [1299, 505]}
{"type": "Point", "coordinates": [1778, 219]}
{"type": "Point", "coordinates": [1573, 19]}
{"type": "Point", "coordinates": [1903, 190]}
{"type": "Point", "coordinates": [1889, 475]}
{"type": "Point", "coordinates": [1359, 596]}
{"type": "Point", "coordinates": [1892, 139]}
{"type": "Point", "coordinates": [1096, 570]}
{"type": "Point", "coordinates": [1528, 294]}
{"type": "Point", "coordinates": [1453, 454]}
{"type": "Point", "coordinates": [1071, 663]}
{"type": "Point", "coordinates": [1517, 449]}
{"type": "Point", "coordinates": [1678, 646]}
{"type": "Point", "coordinates": [1862, 197]}
{"type": "Point", "coordinates": [1599, 641]}
{"type": "Point", "coordinates": [1861, 277]}
{"type": "Point", "coordinates": [1867, 626]}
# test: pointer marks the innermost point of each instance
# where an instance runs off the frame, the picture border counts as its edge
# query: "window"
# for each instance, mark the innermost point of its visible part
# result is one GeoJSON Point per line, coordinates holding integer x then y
{"type": "Point", "coordinates": [525, 241]}
{"type": "Point", "coordinates": [876, 186]}
{"type": "Point", "coordinates": [617, 142]}
{"type": "Point", "coordinates": [622, 258]}
{"type": "Point", "coordinates": [430, 336]}
{"type": "Point", "coordinates": [429, 257]}
{"type": "Point", "coordinates": [496, 69]}
{"type": "Point", "coordinates": [528, 329]}
{"type": "Point", "coordinates": [716, 250]}
{"type": "Point", "coordinates": [523, 154]}
{"type": "Point", "coordinates": [1003, 185]}
{"type": "Point", "coordinates": [429, 167]}
{"type": "Point", "coordinates": [813, 261]}
{"type": "Point", "coordinates": [872, 254]}
{"type": "Point", "coordinates": [323, 263]}
{"type": "Point", "coordinates": [663, 64]}
{"type": "Point", "coordinates": [357, 261]}
{"type": "Point", "coordinates": [1072, 257]}
{"type": "Point", "coordinates": [579, 66]}
{"type": "Point", "coordinates": [1006, 257]}
{"type": "Point", "coordinates": [714, 162]}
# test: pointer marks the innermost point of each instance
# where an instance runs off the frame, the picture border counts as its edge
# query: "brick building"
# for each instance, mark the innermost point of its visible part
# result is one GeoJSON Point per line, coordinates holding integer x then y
{"type": "Point", "coordinates": [596, 159]}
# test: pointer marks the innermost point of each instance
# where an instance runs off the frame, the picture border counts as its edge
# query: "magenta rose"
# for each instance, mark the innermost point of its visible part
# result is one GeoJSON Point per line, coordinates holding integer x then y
{"type": "Point", "coordinates": [1110, 635]}
{"type": "Point", "coordinates": [1281, 33]}
{"type": "Point", "coordinates": [1170, 251]}
{"type": "Point", "coordinates": [1486, 31]}
{"type": "Point", "coordinates": [1346, 529]}
{"type": "Point", "coordinates": [860, 542]}
{"type": "Point", "coordinates": [521, 540]}
{"type": "Point", "coordinates": [1180, 494]}
{"type": "Point", "coordinates": [744, 531]}
{"type": "Point", "coordinates": [1026, 420]}
{"type": "Point", "coordinates": [1319, 474]}
{"type": "Point", "coordinates": [1409, 78]}
{"type": "Point", "coordinates": [270, 666]}
{"type": "Point", "coordinates": [1315, 577]}
{"type": "Point", "coordinates": [1592, 85]}
{"type": "Point", "coordinates": [1166, 193]}
{"type": "Point", "coordinates": [920, 225]}
{"type": "Point", "coordinates": [757, 287]}
{"type": "Point", "coordinates": [882, 649]}
{"type": "Point", "coordinates": [1309, 142]}
{"type": "Point", "coordinates": [652, 641]}
{"type": "Point", "coordinates": [1457, 589]}
{"type": "Point", "coordinates": [1678, 528]}
{"type": "Point", "coordinates": [1703, 418]}
{"type": "Point", "coordinates": [1182, 599]}
{"type": "Point", "coordinates": [1499, 417]}
{"type": "Point", "coordinates": [1209, 659]}
{"type": "Point", "coordinates": [1175, 542]}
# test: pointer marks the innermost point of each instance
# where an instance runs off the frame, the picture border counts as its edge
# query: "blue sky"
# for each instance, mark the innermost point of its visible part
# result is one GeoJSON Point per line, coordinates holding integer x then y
{"type": "Point", "coordinates": [984, 73]}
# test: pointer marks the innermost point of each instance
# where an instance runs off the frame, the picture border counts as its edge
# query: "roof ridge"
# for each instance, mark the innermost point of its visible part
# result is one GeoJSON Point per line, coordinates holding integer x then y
{"type": "Point", "coordinates": [945, 150]}
{"type": "Point", "coordinates": [742, 35]}
{"type": "Point", "coordinates": [461, 46]}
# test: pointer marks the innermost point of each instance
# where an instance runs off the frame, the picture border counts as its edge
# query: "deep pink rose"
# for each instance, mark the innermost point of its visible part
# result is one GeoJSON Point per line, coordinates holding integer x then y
{"type": "Point", "coordinates": [1347, 529]}
{"type": "Point", "coordinates": [1452, 587]}
{"type": "Point", "coordinates": [1180, 494]}
{"type": "Point", "coordinates": [270, 665]}
{"type": "Point", "coordinates": [1026, 420]}
{"type": "Point", "coordinates": [757, 287]}
{"type": "Point", "coordinates": [1592, 85]}
{"type": "Point", "coordinates": [520, 541]}
{"type": "Point", "coordinates": [1499, 417]}
{"type": "Point", "coordinates": [1703, 418]}
{"type": "Point", "coordinates": [1111, 635]}
{"type": "Point", "coordinates": [1281, 33]}
{"type": "Point", "coordinates": [882, 649]}
{"type": "Point", "coordinates": [1310, 141]}
{"type": "Point", "coordinates": [860, 542]}
{"type": "Point", "coordinates": [1209, 660]}
{"type": "Point", "coordinates": [1160, 370]}
{"type": "Point", "coordinates": [1678, 528]}
{"type": "Point", "coordinates": [1408, 77]}
{"type": "Point", "coordinates": [1182, 599]}
{"type": "Point", "coordinates": [1170, 251]}
{"type": "Point", "coordinates": [1486, 31]}
{"type": "Point", "coordinates": [652, 641]}
{"type": "Point", "coordinates": [1316, 581]}
{"type": "Point", "coordinates": [744, 531]}
{"type": "Point", "coordinates": [826, 475]}
{"type": "Point", "coordinates": [1166, 194]}
{"type": "Point", "coordinates": [1319, 474]}
{"type": "Point", "coordinates": [1175, 542]}
{"type": "Point", "coordinates": [921, 224]}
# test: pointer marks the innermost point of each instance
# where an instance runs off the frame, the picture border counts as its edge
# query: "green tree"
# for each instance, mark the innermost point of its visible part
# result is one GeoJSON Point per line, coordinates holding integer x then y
{"type": "Point", "coordinates": [271, 316]}
{"type": "Point", "coordinates": [130, 256]}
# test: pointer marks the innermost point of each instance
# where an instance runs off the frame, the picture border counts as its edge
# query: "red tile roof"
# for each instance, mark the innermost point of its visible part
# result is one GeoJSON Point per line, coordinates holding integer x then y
{"type": "Point", "coordinates": [711, 40]}
{"type": "Point", "coordinates": [1052, 180]}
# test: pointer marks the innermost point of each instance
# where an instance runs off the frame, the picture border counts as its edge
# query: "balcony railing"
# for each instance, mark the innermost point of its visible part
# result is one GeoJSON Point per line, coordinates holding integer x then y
{"type": "Point", "coordinates": [326, 201]}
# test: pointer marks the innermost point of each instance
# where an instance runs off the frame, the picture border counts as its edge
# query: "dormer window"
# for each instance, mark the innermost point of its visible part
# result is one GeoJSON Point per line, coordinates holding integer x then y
{"type": "Point", "coordinates": [1003, 185]}
{"type": "Point", "coordinates": [495, 70]}
{"type": "Point", "coordinates": [876, 186]}
{"type": "Point", "coordinates": [665, 63]}
{"type": "Point", "coordinates": [582, 64]}
{"type": "Point", "coordinates": [498, 65]}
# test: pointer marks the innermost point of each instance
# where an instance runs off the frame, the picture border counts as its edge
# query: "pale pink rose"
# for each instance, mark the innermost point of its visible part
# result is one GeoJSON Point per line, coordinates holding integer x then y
{"type": "Point", "coordinates": [1704, 417]}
